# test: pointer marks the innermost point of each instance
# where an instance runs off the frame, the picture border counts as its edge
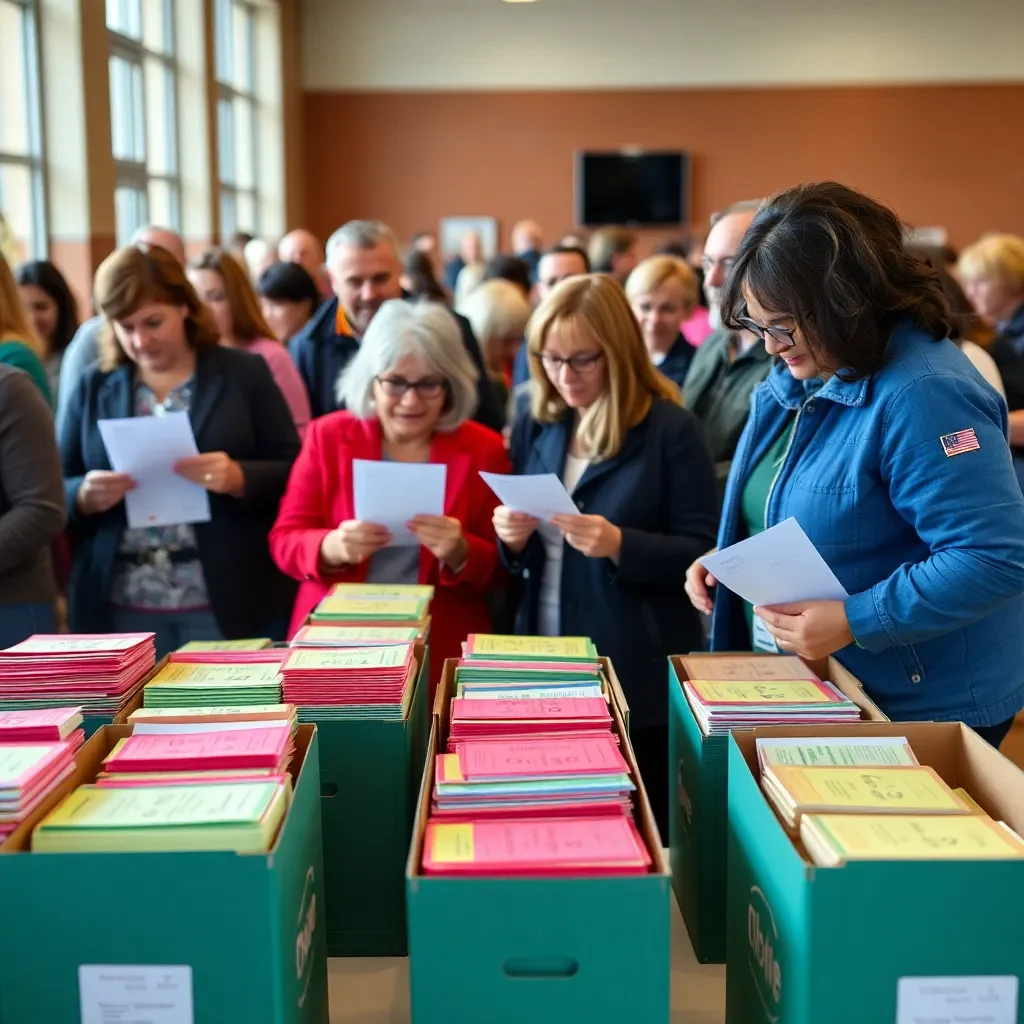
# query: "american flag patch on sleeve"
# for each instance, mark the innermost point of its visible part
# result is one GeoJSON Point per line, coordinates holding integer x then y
{"type": "Point", "coordinates": [960, 442]}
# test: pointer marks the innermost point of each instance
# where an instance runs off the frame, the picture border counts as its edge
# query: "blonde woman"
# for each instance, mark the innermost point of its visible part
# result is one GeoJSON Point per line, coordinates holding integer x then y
{"type": "Point", "coordinates": [663, 293]}
{"type": "Point", "coordinates": [224, 286]}
{"type": "Point", "coordinates": [611, 428]}
{"type": "Point", "coordinates": [992, 274]}
{"type": "Point", "coordinates": [19, 346]}
{"type": "Point", "coordinates": [498, 313]}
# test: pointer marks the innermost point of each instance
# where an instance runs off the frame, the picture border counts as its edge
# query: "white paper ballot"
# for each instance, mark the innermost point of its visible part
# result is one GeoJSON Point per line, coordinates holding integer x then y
{"type": "Point", "coordinates": [779, 566]}
{"type": "Point", "coordinates": [391, 493]}
{"type": "Point", "coordinates": [979, 999]}
{"type": "Point", "coordinates": [146, 448]}
{"type": "Point", "coordinates": [540, 495]}
{"type": "Point", "coordinates": [140, 993]}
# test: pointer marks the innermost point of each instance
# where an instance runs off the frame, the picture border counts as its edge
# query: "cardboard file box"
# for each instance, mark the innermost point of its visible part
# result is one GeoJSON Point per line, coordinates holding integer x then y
{"type": "Point", "coordinates": [509, 950]}
{"type": "Point", "coordinates": [808, 944]}
{"type": "Point", "coordinates": [698, 795]}
{"type": "Point", "coordinates": [250, 926]}
{"type": "Point", "coordinates": [370, 773]}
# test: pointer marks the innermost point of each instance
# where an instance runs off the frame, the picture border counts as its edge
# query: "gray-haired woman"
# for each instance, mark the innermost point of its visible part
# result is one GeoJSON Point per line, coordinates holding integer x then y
{"type": "Point", "coordinates": [409, 393]}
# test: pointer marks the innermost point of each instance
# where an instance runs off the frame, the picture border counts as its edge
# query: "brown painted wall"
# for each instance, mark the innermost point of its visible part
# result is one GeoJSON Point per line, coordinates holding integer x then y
{"type": "Point", "coordinates": [950, 155]}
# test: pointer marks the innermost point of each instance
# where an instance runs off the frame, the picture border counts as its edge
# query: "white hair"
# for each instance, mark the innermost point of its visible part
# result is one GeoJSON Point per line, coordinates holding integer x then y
{"type": "Point", "coordinates": [426, 330]}
{"type": "Point", "coordinates": [497, 310]}
{"type": "Point", "coordinates": [362, 234]}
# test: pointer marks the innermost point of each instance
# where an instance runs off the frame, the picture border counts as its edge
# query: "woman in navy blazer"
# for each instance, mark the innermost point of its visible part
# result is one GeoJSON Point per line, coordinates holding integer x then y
{"type": "Point", "coordinates": [611, 428]}
{"type": "Point", "coordinates": [160, 354]}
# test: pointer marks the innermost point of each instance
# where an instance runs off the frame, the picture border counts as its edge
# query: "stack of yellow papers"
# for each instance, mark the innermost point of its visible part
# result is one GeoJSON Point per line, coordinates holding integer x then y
{"type": "Point", "coordinates": [833, 839]}
{"type": "Point", "coordinates": [241, 817]}
{"type": "Point", "coordinates": [375, 604]}
{"type": "Point", "coordinates": [795, 791]}
{"type": "Point", "coordinates": [215, 714]}
{"type": "Point", "coordinates": [814, 751]}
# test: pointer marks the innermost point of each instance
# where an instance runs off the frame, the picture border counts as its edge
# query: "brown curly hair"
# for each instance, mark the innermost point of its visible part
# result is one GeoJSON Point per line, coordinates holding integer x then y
{"type": "Point", "coordinates": [137, 274]}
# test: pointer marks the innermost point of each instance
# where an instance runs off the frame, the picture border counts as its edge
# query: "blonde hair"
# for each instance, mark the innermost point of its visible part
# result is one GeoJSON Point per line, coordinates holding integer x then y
{"type": "Point", "coordinates": [598, 303]}
{"type": "Point", "coordinates": [129, 278]}
{"type": "Point", "coordinates": [247, 322]}
{"type": "Point", "coordinates": [14, 324]}
{"type": "Point", "coordinates": [497, 310]}
{"type": "Point", "coordinates": [1000, 257]}
{"type": "Point", "coordinates": [655, 271]}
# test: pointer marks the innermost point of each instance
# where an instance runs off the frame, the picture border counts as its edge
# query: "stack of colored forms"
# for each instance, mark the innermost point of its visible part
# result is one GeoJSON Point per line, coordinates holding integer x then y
{"type": "Point", "coordinates": [511, 667]}
{"type": "Point", "coordinates": [350, 683]}
{"type": "Point", "coordinates": [868, 798]}
{"type": "Point", "coordinates": [45, 725]}
{"type": "Point", "coordinates": [228, 680]}
{"type": "Point", "coordinates": [369, 604]}
{"type": "Point", "coordinates": [28, 772]}
{"type": "Point", "coordinates": [100, 673]}
{"type": "Point", "coordinates": [214, 715]}
{"type": "Point", "coordinates": [746, 691]}
{"type": "Point", "coordinates": [354, 636]}
{"type": "Point", "coordinates": [226, 652]}
{"type": "Point", "coordinates": [534, 781]}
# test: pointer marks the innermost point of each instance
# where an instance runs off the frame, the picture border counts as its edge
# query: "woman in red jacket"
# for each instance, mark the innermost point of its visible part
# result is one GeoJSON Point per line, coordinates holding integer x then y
{"type": "Point", "coordinates": [408, 393]}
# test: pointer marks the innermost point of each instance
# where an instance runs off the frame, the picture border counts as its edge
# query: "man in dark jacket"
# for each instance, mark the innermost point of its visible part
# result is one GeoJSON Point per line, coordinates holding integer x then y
{"type": "Point", "coordinates": [729, 364]}
{"type": "Point", "coordinates": [365, 268]}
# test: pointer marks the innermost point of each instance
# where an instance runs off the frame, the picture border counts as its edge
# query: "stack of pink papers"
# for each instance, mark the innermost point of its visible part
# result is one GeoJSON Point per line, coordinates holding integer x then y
{"type": "Point", "coordinates": [351, 682]}
{"type": "Point", "coordinates": [46, 725]}
{"type": "Point", "coordinates": [100, 673]}
{"type": "Point", "coordinates": [519, 718]}
{"type": "Point", "coordinates": [264, 750]}
{"type": "Point", "coordinates": [28, 772]}
{"type": "Point", "coordinates": [268, 656]}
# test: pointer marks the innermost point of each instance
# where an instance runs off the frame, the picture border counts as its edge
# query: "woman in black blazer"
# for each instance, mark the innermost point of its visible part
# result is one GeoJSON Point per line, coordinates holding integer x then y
{"type": "Point", "coordinates": [159, 353]}
{"type": "Point", "coordinates": [611, 428]}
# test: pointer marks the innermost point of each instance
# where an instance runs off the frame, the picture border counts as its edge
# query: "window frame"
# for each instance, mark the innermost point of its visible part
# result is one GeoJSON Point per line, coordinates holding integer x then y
{"type": "Point", "coordinates": [135, 174]}
{"type": "Point", "coordinates": [34, 160]}
{"type": "Point", "coordinates": [229, 92]}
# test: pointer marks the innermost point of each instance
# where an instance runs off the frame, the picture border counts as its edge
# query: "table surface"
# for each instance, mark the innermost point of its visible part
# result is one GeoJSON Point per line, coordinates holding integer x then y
{"type": "Point", "coordinates": [375, 990]}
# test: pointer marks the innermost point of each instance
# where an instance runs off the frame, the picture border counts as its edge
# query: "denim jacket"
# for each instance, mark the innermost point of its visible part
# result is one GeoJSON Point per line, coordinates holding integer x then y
{"type": "Point", "coordinates": [929, 546]}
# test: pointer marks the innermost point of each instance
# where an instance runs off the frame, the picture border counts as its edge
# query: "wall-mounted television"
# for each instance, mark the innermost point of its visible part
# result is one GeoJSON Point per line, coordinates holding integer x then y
{"type": "Point", "coordinates": [634, 187]}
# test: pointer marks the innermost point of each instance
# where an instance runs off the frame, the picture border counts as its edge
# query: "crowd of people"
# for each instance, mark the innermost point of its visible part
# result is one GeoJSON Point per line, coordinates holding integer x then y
{"type": "Point", "coordinates": [686, 400]}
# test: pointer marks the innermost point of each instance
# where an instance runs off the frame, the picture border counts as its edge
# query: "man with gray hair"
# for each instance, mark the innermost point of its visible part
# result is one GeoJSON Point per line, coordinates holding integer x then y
{"type": "Point", "coordinates": [364, 267]}
{"type": "Point", "coordinates": [83, 349]}
{"type": "Point", "coordinates": [729, 364]}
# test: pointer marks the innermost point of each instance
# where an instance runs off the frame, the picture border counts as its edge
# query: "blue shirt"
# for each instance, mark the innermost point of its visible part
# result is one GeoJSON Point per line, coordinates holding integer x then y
{"type": "Point", "coordinates": [930, 547]}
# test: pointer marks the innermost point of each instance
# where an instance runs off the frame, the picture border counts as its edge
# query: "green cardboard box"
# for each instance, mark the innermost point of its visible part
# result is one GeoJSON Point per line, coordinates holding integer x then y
{"type": "Point", "coordinates": [873, 941]}
{"type": "Point", "coordinates": [511, 950]}
{"type": "Point", "coordinates": [370, 773]}
{"type": "Point", "coordinates": [248, 926]}
{"type": "Point", "coordinates": [697, 814]}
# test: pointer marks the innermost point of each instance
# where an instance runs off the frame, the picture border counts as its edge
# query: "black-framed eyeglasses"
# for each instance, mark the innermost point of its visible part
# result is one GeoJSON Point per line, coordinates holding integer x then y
{"type": "Point", "coordinates": [428, 387]}
{"type": "Point", "coordinates": [782, 335]}
{"type": "Point", "coordinates": [580, 364]}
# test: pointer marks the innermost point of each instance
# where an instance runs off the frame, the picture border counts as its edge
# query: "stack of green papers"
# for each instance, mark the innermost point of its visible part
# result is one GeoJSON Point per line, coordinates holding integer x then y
{"type": "Point", "coordinates": [184, 685]}
{"type": "Point", "coordinates": [529, 666]}
{"type": "Point", "coordinates": [242, 817]}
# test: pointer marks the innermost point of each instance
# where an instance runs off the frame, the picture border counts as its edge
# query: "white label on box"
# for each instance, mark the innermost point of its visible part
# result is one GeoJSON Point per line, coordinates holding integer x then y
{"type": "Point", "coordinates": [135, 994]}
{"type": "Point", "coordinates": [980, 999]}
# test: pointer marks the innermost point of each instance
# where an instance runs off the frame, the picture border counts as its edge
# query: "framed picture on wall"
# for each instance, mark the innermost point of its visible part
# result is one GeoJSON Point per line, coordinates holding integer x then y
{"type": "Point", "coordinates": [454, 229]}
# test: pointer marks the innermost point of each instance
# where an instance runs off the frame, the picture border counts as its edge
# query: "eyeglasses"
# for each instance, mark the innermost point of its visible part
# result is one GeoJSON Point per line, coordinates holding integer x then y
{"type": "Point", "coordinates": [429, 387]}
{"type": "Point", "coordinates": [783, 335]}
{"type": "Point", "coordinates": [581, 364]}
{"type": "Point", "coordinates": [708, 264]}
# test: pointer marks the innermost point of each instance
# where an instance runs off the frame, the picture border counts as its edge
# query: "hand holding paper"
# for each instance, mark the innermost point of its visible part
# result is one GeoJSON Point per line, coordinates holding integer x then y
{"type": "Point", "coordinates": [812, 629]}
{"type": "Point", "coordinates": [353, 542]}
{"type": "Point", "coordinates": [216, 471]}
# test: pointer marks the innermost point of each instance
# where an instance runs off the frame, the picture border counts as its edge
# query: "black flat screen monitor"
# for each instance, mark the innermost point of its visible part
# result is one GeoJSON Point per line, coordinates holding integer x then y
{"type": "Point", "coordinates": [634, 188]}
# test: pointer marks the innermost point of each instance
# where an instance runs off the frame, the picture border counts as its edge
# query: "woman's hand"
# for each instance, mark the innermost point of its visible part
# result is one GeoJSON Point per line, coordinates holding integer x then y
{"type": "Point", "coordinates": [698, 586]}
{"type": "Point", "coordinates": [513, 529]}
{"type": "Point", "coordinates": [101, 490]}
{"type": "Point", "coordinates": [593, 536]}
{"type": "Point", "coordinates": [353, 542]}
{"type": "Point", "coordinates": [812, 629]}
{"type": "Point", "coordinates": [216, 471]}
{"type": "Point", "coordinates": [442, 536]}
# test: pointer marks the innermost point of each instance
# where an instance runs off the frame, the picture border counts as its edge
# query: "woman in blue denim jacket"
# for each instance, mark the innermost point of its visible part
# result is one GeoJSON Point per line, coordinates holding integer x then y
{"type": "Point", "coordinates": [874, 431]}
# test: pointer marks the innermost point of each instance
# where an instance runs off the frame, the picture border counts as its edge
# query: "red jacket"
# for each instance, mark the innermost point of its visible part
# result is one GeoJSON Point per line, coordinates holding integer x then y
{"type": "Point", "coordinates": [319, 497]}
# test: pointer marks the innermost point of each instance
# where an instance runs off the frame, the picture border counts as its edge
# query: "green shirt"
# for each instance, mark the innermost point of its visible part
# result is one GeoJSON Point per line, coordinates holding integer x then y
{"type": "Point", "coordinates": [17, 354]}
{"type": "Point", "coordinates": [755, 495]}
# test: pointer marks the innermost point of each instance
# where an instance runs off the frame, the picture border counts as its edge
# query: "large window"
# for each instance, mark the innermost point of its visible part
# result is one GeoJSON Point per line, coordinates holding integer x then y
{"type": "Point", "coordinates": [143, 114]}
{"type": "Point", "coordinates": [22, 205]}
{"type": "Point", "coordinates": [235, 45]}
